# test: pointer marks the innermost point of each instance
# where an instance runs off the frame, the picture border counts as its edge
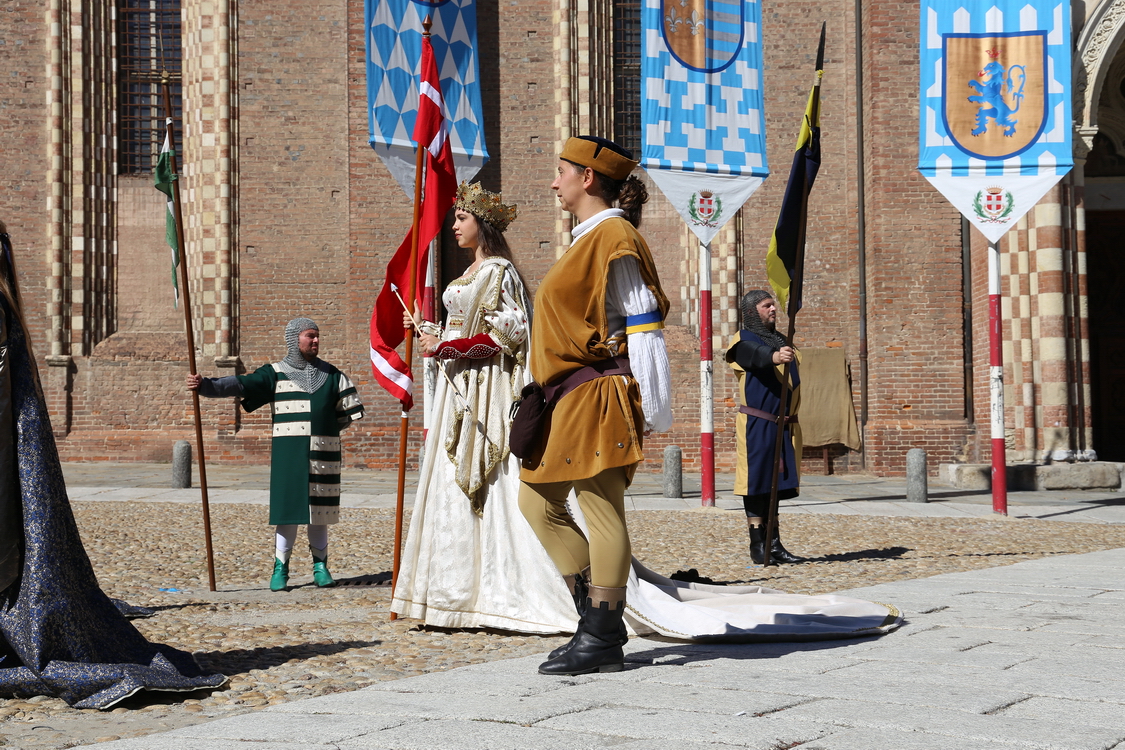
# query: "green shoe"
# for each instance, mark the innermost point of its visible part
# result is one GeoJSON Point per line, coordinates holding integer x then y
{"type": "Point", "coordinates": [280, 579]}
{"type": "Point", "coordinates": [321, 576]}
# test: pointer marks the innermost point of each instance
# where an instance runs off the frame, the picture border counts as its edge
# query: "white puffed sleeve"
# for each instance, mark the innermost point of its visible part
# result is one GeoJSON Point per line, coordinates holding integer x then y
{"type": "Point", "coordinates": [508, 324]}
{"type": "Point", "coordinates": [627, 295]}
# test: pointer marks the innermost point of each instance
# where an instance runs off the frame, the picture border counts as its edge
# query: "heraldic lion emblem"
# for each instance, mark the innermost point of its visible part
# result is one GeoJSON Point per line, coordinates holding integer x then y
{"type": "Point", "coordinates": [991, 96]}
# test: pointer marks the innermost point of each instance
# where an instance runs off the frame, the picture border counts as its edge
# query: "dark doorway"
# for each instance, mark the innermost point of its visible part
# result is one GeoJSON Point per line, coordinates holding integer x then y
{"type": "Point", "coordinates": [1105, 275]}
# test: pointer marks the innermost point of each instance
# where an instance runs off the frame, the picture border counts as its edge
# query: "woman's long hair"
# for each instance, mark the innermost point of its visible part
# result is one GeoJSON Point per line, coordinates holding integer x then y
{"type": "Point", "coordinates": [494, 244]}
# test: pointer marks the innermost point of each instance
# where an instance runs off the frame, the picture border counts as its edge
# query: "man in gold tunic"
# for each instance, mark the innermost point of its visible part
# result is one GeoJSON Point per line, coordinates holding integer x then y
{"type": "Point", "coordinates": [597, 334]}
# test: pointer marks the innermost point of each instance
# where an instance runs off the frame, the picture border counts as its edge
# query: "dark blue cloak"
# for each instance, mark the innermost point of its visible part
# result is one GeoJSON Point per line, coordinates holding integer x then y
{"type": "Point", "coordinates": [60, 635]}
{"type": "Point", "coordinates": [762, 389]}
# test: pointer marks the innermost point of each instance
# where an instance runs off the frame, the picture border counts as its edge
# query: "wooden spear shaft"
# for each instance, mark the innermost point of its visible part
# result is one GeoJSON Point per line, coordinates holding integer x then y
{"type": "Point", "coordinates": [795, 293]}
{"type": "Point", "coordinates": [404, 429]}
{"type": "Point", "coordinates": [186, 294]}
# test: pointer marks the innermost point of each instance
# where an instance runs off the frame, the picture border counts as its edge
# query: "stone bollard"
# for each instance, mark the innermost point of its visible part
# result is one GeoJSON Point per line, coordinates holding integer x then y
{"type": "Point", "coordinates": [181, 464]}
{"type": "Point", "coordinates": [917, 489]}
{"type": "Point", "coordinates": [673, 472]}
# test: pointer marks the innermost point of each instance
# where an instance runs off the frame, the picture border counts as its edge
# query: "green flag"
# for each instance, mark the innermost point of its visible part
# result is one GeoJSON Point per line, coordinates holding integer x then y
{"type": "Point", "coordinates": [164, 179]}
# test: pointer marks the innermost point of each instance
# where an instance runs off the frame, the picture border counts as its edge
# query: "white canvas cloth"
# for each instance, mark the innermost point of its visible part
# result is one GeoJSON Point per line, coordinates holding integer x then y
{"type": "Point", "coordinates": [702, 612]}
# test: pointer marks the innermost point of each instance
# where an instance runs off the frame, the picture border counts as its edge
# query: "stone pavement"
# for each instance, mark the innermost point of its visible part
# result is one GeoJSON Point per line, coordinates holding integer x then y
{"type": "Point", "coordinates": [1026, 656]}
{"type": "Point", "coordinates": [835, 494]}
{"type": "Point", "coordinates": [1031, 655]}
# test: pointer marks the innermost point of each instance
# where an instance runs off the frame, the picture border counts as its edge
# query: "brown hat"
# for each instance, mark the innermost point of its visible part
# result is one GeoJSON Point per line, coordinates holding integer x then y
{"type": "Point", "coordinates": [601, 155]}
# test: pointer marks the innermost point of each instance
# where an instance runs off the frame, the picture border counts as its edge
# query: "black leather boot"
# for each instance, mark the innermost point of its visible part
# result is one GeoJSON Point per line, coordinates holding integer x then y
{"type": "Point", "coordinates": [577, 584]}
{"type": "Point", "coordinates": [758, 545]}
{"type": "Point", "coordinates": [597, 647]}
{"type": "Point", "coordinates": [779, 553]}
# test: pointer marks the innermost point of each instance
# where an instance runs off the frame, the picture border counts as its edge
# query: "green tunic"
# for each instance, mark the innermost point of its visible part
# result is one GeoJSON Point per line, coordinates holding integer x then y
{"type": "Point", "coordinates": [305, 461]}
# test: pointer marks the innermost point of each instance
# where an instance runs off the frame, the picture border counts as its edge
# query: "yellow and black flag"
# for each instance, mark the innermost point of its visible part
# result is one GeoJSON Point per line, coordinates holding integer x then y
{"type": "Point", "coordinates": [786, 255]}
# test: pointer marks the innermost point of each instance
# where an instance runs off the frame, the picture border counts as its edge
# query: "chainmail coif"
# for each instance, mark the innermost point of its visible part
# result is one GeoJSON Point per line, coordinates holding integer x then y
{"type": "Point", "coordinates": [309, 376]}
{"type": "Point", "coordinates": [752, 321]}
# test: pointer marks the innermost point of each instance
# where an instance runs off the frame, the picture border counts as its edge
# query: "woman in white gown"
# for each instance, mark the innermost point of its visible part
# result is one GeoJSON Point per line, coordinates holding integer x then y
{"type": "Point", "coordinates": [470, 559]}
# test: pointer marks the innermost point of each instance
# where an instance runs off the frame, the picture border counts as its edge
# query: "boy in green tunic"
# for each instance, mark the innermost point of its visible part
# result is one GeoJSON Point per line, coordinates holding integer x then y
{"type": "Point", "coordinates": [311, 402]}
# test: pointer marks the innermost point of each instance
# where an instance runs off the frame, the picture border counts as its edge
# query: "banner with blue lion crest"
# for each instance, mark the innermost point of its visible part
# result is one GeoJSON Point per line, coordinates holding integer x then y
{"type": "Point", "coordinates": [995, 127]}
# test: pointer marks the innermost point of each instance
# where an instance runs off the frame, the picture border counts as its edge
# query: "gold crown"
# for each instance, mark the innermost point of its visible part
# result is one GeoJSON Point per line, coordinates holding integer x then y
{"type": "Point", "coordinates": [485, 205]}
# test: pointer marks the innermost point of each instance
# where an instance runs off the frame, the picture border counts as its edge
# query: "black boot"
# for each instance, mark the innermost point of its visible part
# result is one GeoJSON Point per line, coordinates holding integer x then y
{"type": "Point", "coordinates": [758, 545]}
{"type": "Point", "coordinates": [779, 553]}
{"type": "Point", "coordinates": [577, 584]}
{"type": "Point", "coordinates": [597, 647]}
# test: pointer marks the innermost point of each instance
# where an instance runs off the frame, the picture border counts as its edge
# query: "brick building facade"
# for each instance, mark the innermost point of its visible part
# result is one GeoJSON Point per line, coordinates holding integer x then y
{"type": "Point", "coordinates": [289, 212]}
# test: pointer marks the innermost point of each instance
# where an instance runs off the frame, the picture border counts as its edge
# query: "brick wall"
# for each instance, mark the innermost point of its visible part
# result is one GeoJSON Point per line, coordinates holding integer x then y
{"type": "Point", "coordinates": [24, 154]}
{"type": "Point", "coordinates": [914, 263]}
{"type": "Point", "coordinates": [319, 216]}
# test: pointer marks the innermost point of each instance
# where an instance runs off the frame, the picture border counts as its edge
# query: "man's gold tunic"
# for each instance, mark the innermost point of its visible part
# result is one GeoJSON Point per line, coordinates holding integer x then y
{"type": "Point", "coordinates": [599, 425]}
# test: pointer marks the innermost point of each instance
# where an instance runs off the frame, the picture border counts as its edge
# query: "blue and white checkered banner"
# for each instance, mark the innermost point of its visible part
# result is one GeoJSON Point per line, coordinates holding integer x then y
{"type": "Point", "coordinates": [702, 127]}
{"type": "Point", "coordinates": [995, 128]}
{"type": "Point", "coordinates": [394, 52]}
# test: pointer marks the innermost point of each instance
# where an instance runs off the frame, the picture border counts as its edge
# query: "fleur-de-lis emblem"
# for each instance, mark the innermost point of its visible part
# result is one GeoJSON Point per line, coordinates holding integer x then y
{"type": "Point", "coordinates": [695, 23]}
{"type": "Point", "coordinates": [672, 20]}
{"type": "Point", "coordinates": [687, 25]}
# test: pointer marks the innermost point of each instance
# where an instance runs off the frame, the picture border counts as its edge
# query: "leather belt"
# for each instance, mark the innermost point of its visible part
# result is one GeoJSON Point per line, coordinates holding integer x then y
{"type": "Point", "coordinates": [765, 415]}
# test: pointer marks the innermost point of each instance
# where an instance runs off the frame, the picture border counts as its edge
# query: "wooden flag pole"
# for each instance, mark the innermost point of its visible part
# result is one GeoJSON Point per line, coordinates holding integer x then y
{"type": "Point", "coordinates": [404, 429]}
{"type": "Point", "coordinates": [795, 289]}
{"type": "Point", "coordinates": [186, 292]}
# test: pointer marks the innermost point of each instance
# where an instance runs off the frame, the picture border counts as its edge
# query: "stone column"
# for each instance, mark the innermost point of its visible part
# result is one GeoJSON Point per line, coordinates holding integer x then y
{"type": "Point", "coordinates": [208, 168]}
{"type": "Point", "coordinates": [1052, 417]}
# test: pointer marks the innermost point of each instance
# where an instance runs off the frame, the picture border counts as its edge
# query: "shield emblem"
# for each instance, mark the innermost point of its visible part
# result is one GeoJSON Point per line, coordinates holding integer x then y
{"type": "Point", "coordinates": [994, 96]}
{"type": "Point", "coordinates": [704, 35]}
{"type": "Point", "coordinates": [705, 204]}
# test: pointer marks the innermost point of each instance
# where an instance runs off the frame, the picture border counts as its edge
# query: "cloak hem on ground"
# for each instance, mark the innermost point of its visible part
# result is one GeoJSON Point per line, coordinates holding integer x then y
{"type": "Point", "coordinates": [60, 635]}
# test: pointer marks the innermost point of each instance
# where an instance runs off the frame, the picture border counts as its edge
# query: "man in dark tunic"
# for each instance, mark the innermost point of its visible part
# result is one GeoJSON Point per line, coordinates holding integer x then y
{"type": "Point", "coordinates": [312, 402]}
{"type": "Point", "coordinates": [758, 356]}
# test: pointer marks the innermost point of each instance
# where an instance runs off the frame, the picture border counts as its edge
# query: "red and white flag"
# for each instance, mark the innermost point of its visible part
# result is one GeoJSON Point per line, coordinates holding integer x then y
{"type": "Point", "coordinates": [431, 131]}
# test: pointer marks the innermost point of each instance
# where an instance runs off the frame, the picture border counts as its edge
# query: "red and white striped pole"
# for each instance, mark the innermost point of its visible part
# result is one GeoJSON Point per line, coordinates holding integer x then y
{"type": "Point", "coordinates": [706, 395]}
{"type": "Point", "coordinates": [996, 383]}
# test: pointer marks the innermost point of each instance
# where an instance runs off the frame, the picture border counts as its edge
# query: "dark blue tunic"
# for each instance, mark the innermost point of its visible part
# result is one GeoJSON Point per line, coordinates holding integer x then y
{"type": "Point", "coordinates": [761, 389]}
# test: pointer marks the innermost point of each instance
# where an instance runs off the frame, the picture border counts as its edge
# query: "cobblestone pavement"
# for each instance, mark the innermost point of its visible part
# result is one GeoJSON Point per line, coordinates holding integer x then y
{"type": "Point", "coordinates": [281, 647]}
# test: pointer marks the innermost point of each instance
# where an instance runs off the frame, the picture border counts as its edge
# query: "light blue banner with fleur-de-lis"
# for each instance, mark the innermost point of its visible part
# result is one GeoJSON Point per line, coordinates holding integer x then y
{"type": "Point", "coordinates": [703, 129]}
{"type": "Point", "coordinates": [995, 123]}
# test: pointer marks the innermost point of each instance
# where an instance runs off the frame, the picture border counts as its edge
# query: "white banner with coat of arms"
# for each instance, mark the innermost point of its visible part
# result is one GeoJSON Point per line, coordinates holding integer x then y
{"type": "Point", "coordinates": [703, 130]}
{"type": "Point", "coordinates": [995, 128]}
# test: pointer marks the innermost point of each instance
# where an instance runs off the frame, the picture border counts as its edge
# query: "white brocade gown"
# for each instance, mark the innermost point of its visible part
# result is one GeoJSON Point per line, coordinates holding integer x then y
{"type": "Point", "coordinates": [463, 570]}
{"type": "Point", "coordinates": [459, 569]}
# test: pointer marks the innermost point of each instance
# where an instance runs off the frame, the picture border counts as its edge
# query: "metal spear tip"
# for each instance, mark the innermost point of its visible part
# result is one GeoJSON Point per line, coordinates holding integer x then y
{"type": "Point", "coordinates": [426, 24]}
{"type": "Point", "coordinates": [394, 287]}
{"type": "Point", "coordinates": [820, 47]}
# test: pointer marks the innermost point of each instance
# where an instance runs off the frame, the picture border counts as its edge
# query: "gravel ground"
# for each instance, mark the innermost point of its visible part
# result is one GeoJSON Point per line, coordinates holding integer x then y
{"type": "Point", "coordinates": [278, 647]}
